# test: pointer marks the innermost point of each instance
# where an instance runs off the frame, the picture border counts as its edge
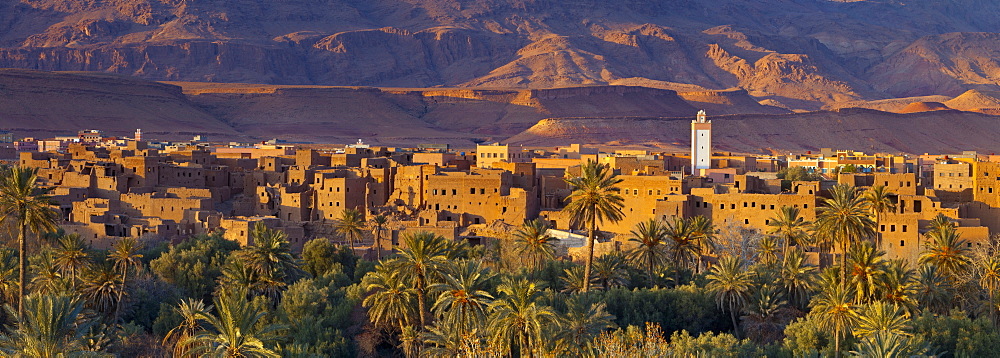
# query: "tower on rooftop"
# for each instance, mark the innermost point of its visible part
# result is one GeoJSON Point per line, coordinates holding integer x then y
{"type": "Point", "coordinates": [701, 143]}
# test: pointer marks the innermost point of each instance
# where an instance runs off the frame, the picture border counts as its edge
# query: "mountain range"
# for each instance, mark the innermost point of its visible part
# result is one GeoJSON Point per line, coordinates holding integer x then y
{"type": "Point", "coordinates": [787, 73]}
{"type": "Point", "coordinates": [799, 54]}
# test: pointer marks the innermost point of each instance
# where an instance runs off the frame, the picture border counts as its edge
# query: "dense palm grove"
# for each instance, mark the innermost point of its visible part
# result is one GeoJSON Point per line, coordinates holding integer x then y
{"type": "Point", "coordinates": [685, 287]}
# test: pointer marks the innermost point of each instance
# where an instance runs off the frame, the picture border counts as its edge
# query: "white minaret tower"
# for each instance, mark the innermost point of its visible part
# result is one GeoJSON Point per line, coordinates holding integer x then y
{"type": "Point", "coordinates": [138, 135]}
{"type": "Point", "coordinates": [701, 143]}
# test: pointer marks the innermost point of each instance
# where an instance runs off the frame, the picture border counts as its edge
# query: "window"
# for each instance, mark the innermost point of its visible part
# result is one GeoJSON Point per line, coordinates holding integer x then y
{"type": "Point", "coordinates": [472, 190]}
{"type": "Point", "coordinates": [902, 243]}
{"type": "Point", "coordinates": [904, 228]}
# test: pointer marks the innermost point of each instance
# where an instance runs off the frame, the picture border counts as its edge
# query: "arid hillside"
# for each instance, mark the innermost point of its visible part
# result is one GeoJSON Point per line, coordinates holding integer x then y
{"type": "Point", "coordinates": [797, 54]}
{"type": "Point", "coordinates": [859, 129]}
{"type": "Point", "coordinates": [45, 104]}
{"type": "Point", "coordinates": [36, 103]}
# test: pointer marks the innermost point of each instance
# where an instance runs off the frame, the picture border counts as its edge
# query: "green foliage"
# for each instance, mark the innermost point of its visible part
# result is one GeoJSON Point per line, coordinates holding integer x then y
{"type": "Point", "coordinates": [797, 174]}
{"type": "Point", "coordinates": [316, 312]}
{"type": "Point", "coordinates": [806, 337]}
{"type": "Point", "coordinates": [319, 256]}
{"type": "Point", "coordinates": [633, 341]}
{"type": "Point", "coordinates": [194, 264]}
{"type": "Point", "coordinates": [709, 344]}
{"type": "Point", "coordinates": [685, 308]}
{"type": "Point", "coordinates": [956, 335]}
{"type": "Point", "coordinates": [147, 297]}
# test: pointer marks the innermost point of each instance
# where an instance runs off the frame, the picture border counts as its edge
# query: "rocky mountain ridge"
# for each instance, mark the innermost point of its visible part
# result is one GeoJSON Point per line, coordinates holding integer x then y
{"type": "Point", "coordinates": [799, 54]}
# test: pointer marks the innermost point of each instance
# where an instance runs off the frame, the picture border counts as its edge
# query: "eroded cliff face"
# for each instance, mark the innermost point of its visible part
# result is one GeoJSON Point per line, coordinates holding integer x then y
{"type": "Point", "coordinates": [803, 54]}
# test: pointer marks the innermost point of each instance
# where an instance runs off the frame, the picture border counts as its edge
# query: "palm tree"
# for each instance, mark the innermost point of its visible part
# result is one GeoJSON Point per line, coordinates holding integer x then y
{"type": "Point", "coordinates": [126, 256]}
{"type": "Point", "coordinates": [237, 273]}
{"type": "Point", "coordinates": [730, 281]}
{"type": "Point", "coordinates": [8, 279]}
{"type": "Point", "coordinates": [47, 278]}
{"type": "Point", "coordinates": [379, 225]}
{"type": "Point", "coordinates": [609, 270]}
{"type": "Point", "coordinates": [573, 279]}
{"type": "Point", "coordinates": [594, 199]}
{"type": "Point", "coordinates": [934, 289]}
{"type": "Point", "coordinates": [880, 201]}
{"type": "Point", "coordinates": [899, 285]}
{"type": "Point", "coordinates": [29, 207]}
{"type": "Point", "coordinates": [464, 300]}
{"type": "Point", "coordinates": [844, 218]}
{"type": "Point", "coordinates": [767, 251]}
{"type": "Point", "coordinates": [101, 287]}
{"type": "Point", "coordinates": [946, 250]}
{"type": "Point", "coordinates": [71, 256]}
{"type": "Point", "coordinates": [532, 240]}
{"type": "Point", "coordinates": [651, 250]}
{"type": "Point", "coordinates": [178, 337]}
{"type": "Point", "coordinates": [790, 227]}
{"type": "Point", "coordinates": [763, 321]}
{"type": "Point", "coordinates": [864, 267]}
{"type": "Point", "coordinates": [989, 279]}
{"type": "Point", "coordinates": [684, 246]}
{"type": "Point", "coordinates": [835, 310]}
{"type": "Point", "coordinates": [939, 222]}
{"type": "Point", "coordinates": [517, 319]}
{"type": "Point", "coordinates": [889, 345]}
{"type": "Point", "coordinates": [580, 325]}
{"type": "Point", "coordinates": [350, 226]}
{"type": "Point", "coordinates": [443, 340]}
{"type": "Point", "coordinates": [392, 303]}
{"type": "Point", "coordinates": [882, 317]}
{"type": "Point", "coordinates": [797, 278]}
{"type": "Point", "coordinates": [238, 329]}
{"type": "Point", "coordinates": [703, 231]}
{"type": "Point", "coordinates": [52, 326]}
{"type": "Point", "coordinates": [270, 258]}
{"type": "Point", "coordinates": [422, 262]}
